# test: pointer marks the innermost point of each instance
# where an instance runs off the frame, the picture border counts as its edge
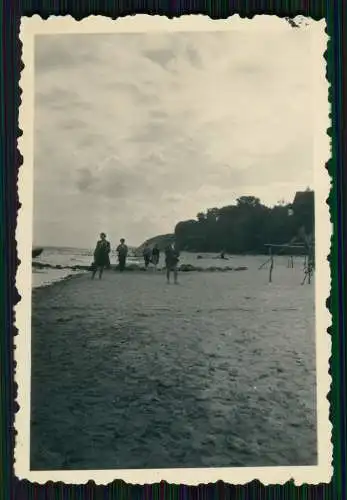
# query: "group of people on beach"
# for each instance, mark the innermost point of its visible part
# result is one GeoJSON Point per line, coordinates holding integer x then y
{"type": "Point", "coordinates": [150, 255]}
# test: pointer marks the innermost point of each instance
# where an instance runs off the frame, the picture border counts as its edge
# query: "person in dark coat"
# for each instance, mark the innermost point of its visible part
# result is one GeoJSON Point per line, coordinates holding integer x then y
{"type": "Point", "coordinates": [101, 256]}
{"type": "Point", "coordinates": [155, 256]}
{"type": "Point", "coordinates": [147, 254]}
{"type": "Point", "coordinates": [122, 251]}
{"type": "Point", "coordinates": [171, 262]}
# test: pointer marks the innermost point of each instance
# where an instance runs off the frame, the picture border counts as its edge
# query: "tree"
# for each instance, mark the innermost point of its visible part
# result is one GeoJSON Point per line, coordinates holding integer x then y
{"type": "Point", "coordinates": [201, 217]}
{"type": "Point", "coordinates": [248, 201]}
{"type": "Point", "coordinates": [246, 226]}
{"type": "Point", "coordinates": [212, 214]}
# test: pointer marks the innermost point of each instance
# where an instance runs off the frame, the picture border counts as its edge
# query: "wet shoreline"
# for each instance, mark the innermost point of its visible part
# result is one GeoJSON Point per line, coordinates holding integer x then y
{"type": "Point", "coordinates": [136, 267]}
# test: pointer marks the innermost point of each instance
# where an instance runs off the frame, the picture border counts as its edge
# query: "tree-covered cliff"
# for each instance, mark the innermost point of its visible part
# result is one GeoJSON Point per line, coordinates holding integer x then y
{"type": "Point", "coordinates": [247, 226]}
{"type": "Point", "coordinates": [161, 240]}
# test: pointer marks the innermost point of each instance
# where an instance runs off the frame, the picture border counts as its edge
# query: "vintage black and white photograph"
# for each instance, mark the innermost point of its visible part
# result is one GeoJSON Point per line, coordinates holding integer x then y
{"type": "Point", "coordinates": [173, 239]}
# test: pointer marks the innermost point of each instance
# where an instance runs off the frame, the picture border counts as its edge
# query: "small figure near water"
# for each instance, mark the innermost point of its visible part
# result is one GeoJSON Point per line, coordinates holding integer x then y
{"type": "Point", "coordinates": [101, 256]}
{"type": "Point", "coordinates": [147, 254]}
{"type": "Point", "coordinates": [171, 262]}
{"type": "Point", "coordinates": [222, 255]}
{"type": "Point", "coordinates": [122, 251]}
{"type": "Point", "coordinates": [155, 256]}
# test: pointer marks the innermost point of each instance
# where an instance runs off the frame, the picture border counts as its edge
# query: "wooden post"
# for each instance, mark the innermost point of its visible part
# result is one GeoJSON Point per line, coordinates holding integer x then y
{"type": "Point", "coordinates": [271, 264]}
{"type": "Point", "coordinates": [309, 269]}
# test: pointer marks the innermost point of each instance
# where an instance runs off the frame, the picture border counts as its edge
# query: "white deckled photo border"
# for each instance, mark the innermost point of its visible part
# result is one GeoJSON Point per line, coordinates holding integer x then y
{"type": "Point", "coordinates": [322, 472]}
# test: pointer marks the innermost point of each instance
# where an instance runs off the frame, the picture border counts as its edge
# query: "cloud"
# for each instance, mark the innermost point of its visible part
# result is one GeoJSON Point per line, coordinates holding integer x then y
{"type": "Point", "coordinates": [134, 132]}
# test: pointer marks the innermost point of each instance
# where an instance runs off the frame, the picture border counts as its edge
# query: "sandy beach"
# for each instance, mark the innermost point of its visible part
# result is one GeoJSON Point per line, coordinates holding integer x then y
{"type": "Point", "coordinates": [130, 372]}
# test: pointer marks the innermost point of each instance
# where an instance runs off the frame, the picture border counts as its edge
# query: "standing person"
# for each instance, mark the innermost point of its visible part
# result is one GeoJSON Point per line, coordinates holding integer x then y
{"type": "Point", "coordinates": [122, 251]}
{"type": "Point", "coordinates": [155, 256]}
{"type": "Point", "coordinates": [147, 253]}
{"type": "Point", "coordinates": [101, 256]}
{"type": "Point", "coordinates": [171, 262]}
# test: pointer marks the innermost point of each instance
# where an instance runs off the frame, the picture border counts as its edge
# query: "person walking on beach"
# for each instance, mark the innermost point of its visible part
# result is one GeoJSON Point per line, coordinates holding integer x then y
{"type": "Point", "coordinates": [171, 262]}
{"type": "Point", "coordinates": [122, 251]}
{"type": "Point", "coordinates": [155, 256]}
{"type": "Point", "coordinates": [147, 253]}
{"type": "Point", "coordinates": [101, 256]}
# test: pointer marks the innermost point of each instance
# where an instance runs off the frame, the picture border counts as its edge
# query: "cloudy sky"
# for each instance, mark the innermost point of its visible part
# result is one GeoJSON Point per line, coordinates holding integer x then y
{"type": "Point", "coordinates": [134, 132]}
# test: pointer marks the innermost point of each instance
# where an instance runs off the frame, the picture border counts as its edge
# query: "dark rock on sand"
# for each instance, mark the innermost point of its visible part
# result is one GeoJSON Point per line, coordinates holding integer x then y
{"type": "Point", "coordinates": [187, 268]}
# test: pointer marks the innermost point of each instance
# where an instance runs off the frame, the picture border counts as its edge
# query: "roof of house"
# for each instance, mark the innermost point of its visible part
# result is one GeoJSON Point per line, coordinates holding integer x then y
{"type": "Point", "coordinates": [303, 197]}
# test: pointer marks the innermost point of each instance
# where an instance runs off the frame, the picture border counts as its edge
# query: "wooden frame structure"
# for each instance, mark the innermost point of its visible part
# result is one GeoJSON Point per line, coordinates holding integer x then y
{"type": "Point", "coordinates": [309, 263]}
